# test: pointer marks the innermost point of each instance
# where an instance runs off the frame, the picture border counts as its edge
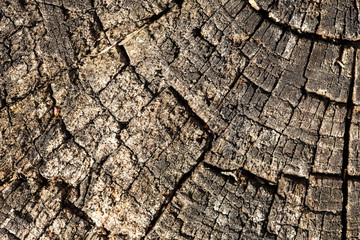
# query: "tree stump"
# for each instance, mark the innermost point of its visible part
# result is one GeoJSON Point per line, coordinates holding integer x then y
{"type": "Point", "coordinates": [193, 119]}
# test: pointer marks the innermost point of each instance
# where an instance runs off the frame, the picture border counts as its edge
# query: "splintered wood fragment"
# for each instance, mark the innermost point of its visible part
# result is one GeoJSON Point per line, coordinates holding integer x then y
{"type": "Point", "coordinates": [56, 110]}
{"type": "Point", "coordinates": [340, 63]}
{"type": "Point", "coordinates": [122, 42]}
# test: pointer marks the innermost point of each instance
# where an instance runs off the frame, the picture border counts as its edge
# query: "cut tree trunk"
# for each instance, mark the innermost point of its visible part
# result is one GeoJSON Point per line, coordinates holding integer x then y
{"type": "Point", "coordinates": [168, 119]}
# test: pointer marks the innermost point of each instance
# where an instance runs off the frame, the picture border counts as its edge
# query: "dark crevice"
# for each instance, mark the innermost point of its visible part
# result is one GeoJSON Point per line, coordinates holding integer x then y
{"type": "Point", "coordinates": [87, 188]}
{"type": "Point", "coordinates": [269, 235]}
{"type": "Point", "coordinates": [177, 187]}
{"type": "Point", "coordinates": [327, 104]}
{"type": "Point", "coordinates": [226, 173]}
{"type": "Point", "coordinates": [68, 135]}
{"type": "Point", "coordinates": [175, 53]}
{"type": "Point", "coordinates": [264, 230]}
{"type": "Point", "coordinates": [77, 212]}
{"type": "Point", "coordinates": [327, 175]}
{"type": "Point", "coordinates": [179, 3]}
{"type": "Point", "coordinates": [259, 181]}
{"type": "Point", "coordinates": [65, 12]}
{"type": "Point", "coordinates": [41, 180]}
{"type": "Point", "coordinates": [297, 179]}
{"type": "Point", "coordinates": [123, 55]}
{"type": "Point", "coordinates": [65, 189]}
{"type": "Point", "coordinates": [139, 78]}
{"type": "Point", "coordinates": [105, 233]}
{"type": "Point", "coordinates": [98, 166]}
{"type": "Point", "coordinates": [96, 18]}
{"type": "Point", "coordinates": [156, 17]}
{"type": "Point", "coordinates": [2, 103]}
{"type": "Point", "coordinates": [322, 98]}
{"type": "Point", "coordinates": [353, 178]}
{"type": "Point", "coordinates": [201, 123]}
{"type": "Point", "coordinates": [23, 3]}
{"type": "Point", "coordinates": [308, 209]}
{"type": "Point", "coordinates": [24, 215]}
{"type": "Point", "coordinates": [113, 78]}
{"type": "Point", "coordinates": [50, 91]}
{"type": "Point", "coordinates": [346, 150]}
{"type": "Point", "coordinates": [74, 76]}
{"type": "Point", "coordinates": [198, 34]}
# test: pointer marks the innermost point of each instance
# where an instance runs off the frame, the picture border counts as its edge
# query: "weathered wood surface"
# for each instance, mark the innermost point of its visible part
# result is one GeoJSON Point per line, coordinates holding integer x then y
{"type": "Point", "coordinates": [194, 119]}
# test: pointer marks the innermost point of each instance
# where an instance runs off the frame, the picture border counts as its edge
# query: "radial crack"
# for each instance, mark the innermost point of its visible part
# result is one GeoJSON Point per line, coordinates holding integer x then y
{"type": "Point", "coordinates": [187, 175]}
{"type": "Point", "coordinates": [346, 151]}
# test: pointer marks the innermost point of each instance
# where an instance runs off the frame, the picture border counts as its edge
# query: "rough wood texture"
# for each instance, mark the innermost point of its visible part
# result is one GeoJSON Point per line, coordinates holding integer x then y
{"type": "Point", "coordinates": [191, 119]}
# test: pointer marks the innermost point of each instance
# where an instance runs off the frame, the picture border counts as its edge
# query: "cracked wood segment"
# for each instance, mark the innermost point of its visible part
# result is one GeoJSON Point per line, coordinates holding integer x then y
{"type": "Point", "coordinates": [211, 205]}
{"type": "Point", "coordinates": [55, 25]}
{"type": "Point", "coordinates": [356, 91]}
{"type": "Point", "coordinates": [291, 218]}
{"type": "Point", "coordinates": [324, 194]}
{"type": "Point", "coordinates": [329, 150]}
{"type": "Point", "coordinates": [127, 92]}
{"type": "Point", "coordinates": [329, 19]}
{"type": "Point", "coordinates": [25, 121]}
{"type": "Point", "coordinates": [352, 208]}
{"type": "Point", "coordinates": [329, 71]}
{"type": "Point", "coordinates": [125, 201]}
{"type": "Point", "coordinates": [354, 142]}
{"type": "Point", "coordinates": [31, 210]}
{"type": "Point", "coordinates": [247, 141]}
{"type": "Point", "coordinates": [69, 162]}
{"type": "Point", "coordinates": [21, 31]}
